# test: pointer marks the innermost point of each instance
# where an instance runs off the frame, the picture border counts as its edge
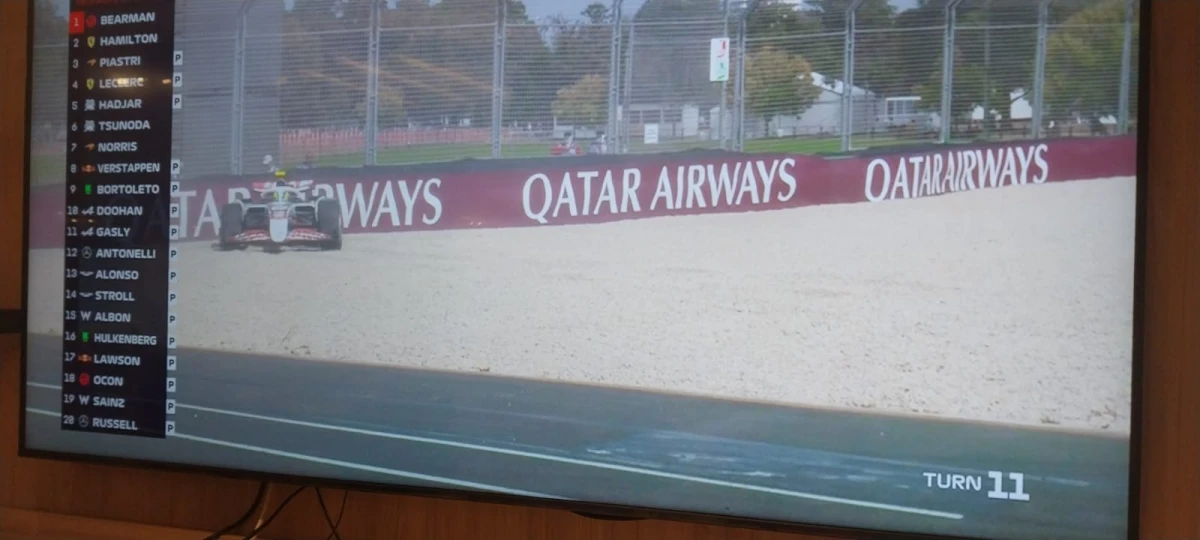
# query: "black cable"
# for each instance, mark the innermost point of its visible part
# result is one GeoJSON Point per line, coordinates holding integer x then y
{"type": "Point", "coordinates": [267, 522]}
{"type": "Point", "coordinates": [258, 501]}
{"type": "Point", "coordinates": [333, 524]}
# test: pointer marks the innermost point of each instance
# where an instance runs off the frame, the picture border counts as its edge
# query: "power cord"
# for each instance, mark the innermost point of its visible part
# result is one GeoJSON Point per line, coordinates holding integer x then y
{"type": "Point", "coordinates": [260, 498]}
{"type": "Point", "coordinates": [258, 501]}
{"type": "Point", "coordinates": [333, 524]}
{"type": "Point", "coordinates": [279, 509]}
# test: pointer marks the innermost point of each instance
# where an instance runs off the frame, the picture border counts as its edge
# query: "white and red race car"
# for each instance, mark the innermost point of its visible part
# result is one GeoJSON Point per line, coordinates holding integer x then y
{"type": "Point", "coordinates": [286, 213]}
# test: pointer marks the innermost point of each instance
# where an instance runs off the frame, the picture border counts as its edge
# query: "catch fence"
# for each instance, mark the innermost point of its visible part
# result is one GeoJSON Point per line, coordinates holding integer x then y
{"type": "Point", "coordinates": [379, 82]}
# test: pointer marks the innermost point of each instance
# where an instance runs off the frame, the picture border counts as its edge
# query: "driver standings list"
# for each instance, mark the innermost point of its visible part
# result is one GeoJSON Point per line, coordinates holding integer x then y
{"type": "Point", "coordinates": [118, 342]}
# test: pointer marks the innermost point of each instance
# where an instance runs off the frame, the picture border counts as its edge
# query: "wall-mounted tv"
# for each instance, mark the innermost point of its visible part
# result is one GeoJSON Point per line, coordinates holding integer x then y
{"type": "Point", "coordinates": [861, 265]}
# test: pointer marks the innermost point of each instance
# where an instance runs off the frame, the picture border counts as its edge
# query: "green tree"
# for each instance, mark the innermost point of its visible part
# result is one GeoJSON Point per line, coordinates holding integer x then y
{"type": "Point", "coordinates": [875, 47]}
{"type": "Point", "coordinates": [323, 74]}
{"type": "Point", "coordinates": [966, 91]}
{"type": "Point", "coordinates": [778, 83]}
{"type": "Point", "coordinates": [439, 57]}
{"type": "Point", "coordinates": [781, 24]}
{"type": "Point", "coordinates": [995, 51]}
{"type": "Point", "coordinates": [527, 65]}
{"type": "Point", "coordinates": [1002, 42]}
{"type": "Point", "coordinates": [916, 51]}
{"type": "Point", "coordinates": [1083, 62]}
{"type": "Point", "coordinates": [671, 40]}
{"type": "Point", "coordinates": [584, 102]}
{"type": "Point", "coordinates": [670, 9]}
{"type": "Point", "coordinates": [597, 13]}
{"type": "Point", "coordinates": [579, 47]}
{"type": "Point", "coordinates": [999, 37]}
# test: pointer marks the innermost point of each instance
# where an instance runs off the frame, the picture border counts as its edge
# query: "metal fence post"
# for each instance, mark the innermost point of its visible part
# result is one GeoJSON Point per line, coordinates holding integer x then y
{"type": "Point", "coordinates": [948, 69]}
{"type": "Point", "coordinates": [739, 84]}
{"type": "Point", "coordinates": [988, 118]}
{"type": "Point", "coordinates": [1039, 68]}
{"type": "Point", "coordinates": [613, 78]}
{"type": "Point", "coordinates": [372, 131]}
{"type": "Point", "coordinates": [1126, 70]}
{"type": "Point", "coordinates": [739, 87]}
{"type": "Point", "coordinates": [238, 91]}
{"type": "Point", "coordinates": [848, 75]}
{"type": "Point", "coordinates": [625, 136]}
{"type": "Point", "coordinates": [724, 86]}
{"type": "Point", "coordinates": [498, 77]}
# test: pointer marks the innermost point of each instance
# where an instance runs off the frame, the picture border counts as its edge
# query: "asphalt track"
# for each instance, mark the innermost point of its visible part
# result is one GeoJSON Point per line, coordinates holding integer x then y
{"type": "Point", "coordinates": [558, 440]}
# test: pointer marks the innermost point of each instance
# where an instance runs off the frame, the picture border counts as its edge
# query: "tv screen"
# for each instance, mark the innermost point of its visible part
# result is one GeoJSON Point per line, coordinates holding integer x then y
{"type": "Point", "coordinates": [860, 264]}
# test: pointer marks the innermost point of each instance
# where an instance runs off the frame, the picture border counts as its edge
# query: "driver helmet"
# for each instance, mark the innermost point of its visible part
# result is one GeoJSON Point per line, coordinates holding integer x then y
{"type": "Point", "coordinates": [281, 196]}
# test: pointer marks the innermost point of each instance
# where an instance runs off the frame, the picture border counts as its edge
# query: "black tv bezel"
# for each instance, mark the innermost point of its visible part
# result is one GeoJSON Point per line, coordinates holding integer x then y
{"type": "Point", "coordinates": [596, 510]}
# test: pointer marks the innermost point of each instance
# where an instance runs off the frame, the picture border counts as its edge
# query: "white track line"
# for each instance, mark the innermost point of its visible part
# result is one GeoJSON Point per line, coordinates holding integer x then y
{"type": "Point", "coordinates": [346, 464]}
{"type": "Point", "coordinates": [572, 461]}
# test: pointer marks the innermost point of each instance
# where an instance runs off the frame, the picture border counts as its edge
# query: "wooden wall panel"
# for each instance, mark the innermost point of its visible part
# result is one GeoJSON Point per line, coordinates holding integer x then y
{"type": "Point", "coordinates": [12, 136]}
{"type": "Point", "coordinates": [1171, 378]}
{"type": "Point", "coordinates": [1171, 437]}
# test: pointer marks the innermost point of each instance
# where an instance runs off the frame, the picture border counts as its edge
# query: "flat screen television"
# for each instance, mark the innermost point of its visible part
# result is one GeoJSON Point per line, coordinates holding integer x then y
{"type": "Point", "coordinates": [771, 264]}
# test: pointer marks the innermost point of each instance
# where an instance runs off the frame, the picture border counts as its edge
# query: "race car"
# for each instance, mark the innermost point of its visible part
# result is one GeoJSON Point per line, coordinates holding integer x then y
{"type": "Point", "coordinates": [284, 213]}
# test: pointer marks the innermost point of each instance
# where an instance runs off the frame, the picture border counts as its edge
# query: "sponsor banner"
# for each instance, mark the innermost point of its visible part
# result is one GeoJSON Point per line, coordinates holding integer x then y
{"type": "Point", "coordinates": [596, 189]}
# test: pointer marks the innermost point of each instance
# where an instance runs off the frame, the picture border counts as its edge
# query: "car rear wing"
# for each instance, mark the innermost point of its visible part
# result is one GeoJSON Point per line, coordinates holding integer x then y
{"type": "Point", "coordinates": [299, 185]}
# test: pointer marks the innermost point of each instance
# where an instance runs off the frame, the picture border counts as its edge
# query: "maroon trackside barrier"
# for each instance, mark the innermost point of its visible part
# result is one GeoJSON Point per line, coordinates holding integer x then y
{"type": "Point", "coordinates": [597, 189]}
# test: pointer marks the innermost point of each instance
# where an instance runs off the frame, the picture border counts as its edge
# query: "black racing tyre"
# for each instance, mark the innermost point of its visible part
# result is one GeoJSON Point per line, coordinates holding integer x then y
{"type": "Point", "coordinates": [231, 224]}
{"type": "Point", "coordinates": [329, 222]}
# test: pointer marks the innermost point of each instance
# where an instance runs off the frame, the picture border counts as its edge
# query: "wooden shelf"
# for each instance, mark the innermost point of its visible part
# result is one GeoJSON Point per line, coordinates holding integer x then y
{"type": "Point", "coordinates": [17, 524]}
